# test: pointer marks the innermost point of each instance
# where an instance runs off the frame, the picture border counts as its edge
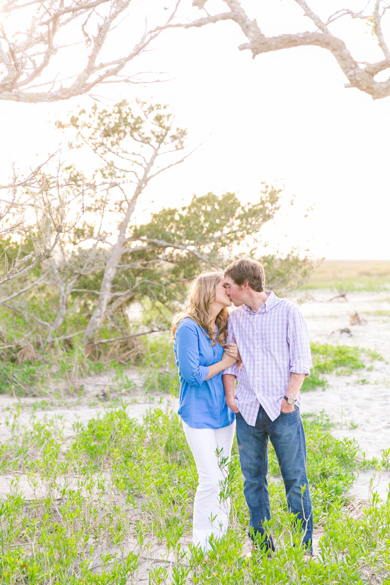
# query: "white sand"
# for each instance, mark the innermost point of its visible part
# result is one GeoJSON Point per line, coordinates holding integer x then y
{"type": "Point", "coordinates": [359, 411]}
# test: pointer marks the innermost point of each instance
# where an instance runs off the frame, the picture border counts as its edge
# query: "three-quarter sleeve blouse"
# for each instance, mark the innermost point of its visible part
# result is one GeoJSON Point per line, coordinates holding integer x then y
{"type": "Point", "coordinates": [202, 402]}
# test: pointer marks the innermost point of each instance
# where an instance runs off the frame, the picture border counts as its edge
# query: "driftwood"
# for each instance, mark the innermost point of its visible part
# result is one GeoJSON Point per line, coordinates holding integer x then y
{"type": "Point", "coordinates": [355, 319]}
{"type": "Point", "coordinates": [341, 295]}
{"type": "Point", "coordinates": [343, 330]}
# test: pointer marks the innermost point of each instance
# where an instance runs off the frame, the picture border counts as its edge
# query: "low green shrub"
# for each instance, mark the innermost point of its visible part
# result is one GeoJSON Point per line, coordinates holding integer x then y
{"type": "Point", "coordinates": [22, 379]}
{"type": "Point", "coordinates": [119, 479]}
{"type": "Point", "coordinates": [342, 360]}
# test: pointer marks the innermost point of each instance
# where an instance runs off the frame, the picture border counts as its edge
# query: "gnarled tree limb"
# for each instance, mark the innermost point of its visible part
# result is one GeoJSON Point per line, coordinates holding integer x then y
{"type": "Point", "coordinates": [31, 54]}
{"type": "Point", "coordinates": [360, 75]}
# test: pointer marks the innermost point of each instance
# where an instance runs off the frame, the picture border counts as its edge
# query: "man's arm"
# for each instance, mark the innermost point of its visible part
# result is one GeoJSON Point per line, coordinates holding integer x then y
{"type": "Point", "coordinates": [296, 381]}
{"type": "Point", "coordinates": [229, 384]}
{"type": "Point", "coordinates": [299, 344]}
{"type": "Point", "coordinates": [300, 355]}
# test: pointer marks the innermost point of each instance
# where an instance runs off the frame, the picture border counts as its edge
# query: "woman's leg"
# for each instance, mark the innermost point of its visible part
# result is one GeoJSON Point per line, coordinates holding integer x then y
{"type": "Point", "coordinates": [211, 511]}
{"type": "Point", "coordinates": [224, 438]}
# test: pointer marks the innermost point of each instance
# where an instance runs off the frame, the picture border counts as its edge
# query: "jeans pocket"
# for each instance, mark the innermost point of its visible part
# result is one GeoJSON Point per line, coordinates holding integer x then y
{"type": "Point", "coordinates": [289, 413]}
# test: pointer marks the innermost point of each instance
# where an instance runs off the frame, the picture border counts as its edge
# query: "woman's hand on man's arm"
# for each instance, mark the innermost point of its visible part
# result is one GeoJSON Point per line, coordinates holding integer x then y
{"type": "Point", "coordinates": [232, 350]}
{"type": "Point", "coordinates": [227, 360]}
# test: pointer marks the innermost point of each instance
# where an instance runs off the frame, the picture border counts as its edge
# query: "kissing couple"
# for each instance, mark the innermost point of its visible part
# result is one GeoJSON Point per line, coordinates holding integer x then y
{"type": "Point", "coordinates": [243, 370]}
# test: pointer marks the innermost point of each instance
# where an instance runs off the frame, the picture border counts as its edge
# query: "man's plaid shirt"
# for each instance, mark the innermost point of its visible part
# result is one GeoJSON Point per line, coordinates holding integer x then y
{"type": "Point", "coordinates": [273, 343]}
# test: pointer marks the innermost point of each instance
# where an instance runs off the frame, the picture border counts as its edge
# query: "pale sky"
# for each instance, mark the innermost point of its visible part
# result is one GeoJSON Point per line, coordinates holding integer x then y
{"type": "Point", "coordinates": [283, 118]}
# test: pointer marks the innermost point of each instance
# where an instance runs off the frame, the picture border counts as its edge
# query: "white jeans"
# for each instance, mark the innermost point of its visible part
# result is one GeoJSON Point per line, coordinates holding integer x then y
{"type": "Point", "coordinates": [211, 512]}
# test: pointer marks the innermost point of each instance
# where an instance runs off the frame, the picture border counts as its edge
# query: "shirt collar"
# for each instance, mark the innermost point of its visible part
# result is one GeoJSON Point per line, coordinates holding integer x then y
{"type": "Point", "coordinates": [269, 303]}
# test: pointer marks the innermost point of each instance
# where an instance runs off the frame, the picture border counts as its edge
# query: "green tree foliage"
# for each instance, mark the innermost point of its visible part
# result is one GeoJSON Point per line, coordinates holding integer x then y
{"type": "Point", "coordinates": [162, 256]}
{"type": "Point", "coordinates": [102, 251]}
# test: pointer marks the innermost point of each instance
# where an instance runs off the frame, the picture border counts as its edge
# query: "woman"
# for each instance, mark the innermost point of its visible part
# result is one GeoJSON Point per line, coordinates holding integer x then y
{"type": "Point", "coordinates": [200, 333]}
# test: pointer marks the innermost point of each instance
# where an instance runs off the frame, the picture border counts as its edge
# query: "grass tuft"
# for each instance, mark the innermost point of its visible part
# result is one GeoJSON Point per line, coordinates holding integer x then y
{"type": "Point", "coordinates": [342, 360]}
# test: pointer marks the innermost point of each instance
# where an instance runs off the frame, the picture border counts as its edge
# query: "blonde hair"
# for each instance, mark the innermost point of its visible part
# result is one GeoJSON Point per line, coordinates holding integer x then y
{"type": "Point", "coordinates": [202, 294]}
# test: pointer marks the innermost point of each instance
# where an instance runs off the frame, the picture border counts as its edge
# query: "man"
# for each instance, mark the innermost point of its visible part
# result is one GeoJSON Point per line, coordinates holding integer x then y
{"type": "Point", "coordinates": [273, 342]}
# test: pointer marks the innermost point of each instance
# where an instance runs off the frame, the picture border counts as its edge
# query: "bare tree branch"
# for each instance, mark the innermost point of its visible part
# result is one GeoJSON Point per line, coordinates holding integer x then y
{"type": "Point", "coordinates": [27, 315]}
{"type": "Point", "coordinates": [359, 75]}
{"type": "Point", "coordinates": [31, 54]}
{"type": "Point", "coordinates": [80, 8]}
{"type": "Point", "coordinates": [178, 162]}
{"type": "Point", "coordinates": [23, 290]}
{"type": "Point", "coordinates": [138, 134]}
{"type": "Point", "coordinates": [165, 244]}
{"type": "Point", "coordinates": [116, 254]}
{"type": "Point", "coordinates": [15, 185]}
{"type": "Point", "coordinates": [152, 330]}
{"type": "Point", "coordinates": [119, 301]}
{"type": "Point", "coordinates": [377, 21]}
{"type": "Point", "coordinates": [17, 273]}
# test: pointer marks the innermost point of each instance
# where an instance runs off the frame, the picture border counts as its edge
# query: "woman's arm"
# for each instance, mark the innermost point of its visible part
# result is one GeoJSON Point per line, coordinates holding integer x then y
{"type": "Point", "coordinates": [188, 355]}
{"type": "Point", "coordinates": [225, 362]}
{"type": "Point", "coordinates": [187, 351]}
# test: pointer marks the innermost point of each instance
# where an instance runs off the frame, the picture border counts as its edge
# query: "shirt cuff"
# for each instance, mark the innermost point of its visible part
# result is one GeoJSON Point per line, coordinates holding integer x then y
{"type": "Point", "coordinates": [300, 368]}
{"type": "Point", "coordinates": [233, 370]}
{"type": "Point", "coordinates": [201, 374]}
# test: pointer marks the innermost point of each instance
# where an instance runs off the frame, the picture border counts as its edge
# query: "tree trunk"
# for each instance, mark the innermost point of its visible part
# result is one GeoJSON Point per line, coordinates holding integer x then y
{"type": "Point", "coordinates": [62, 305]}
{"type": "Point", "coordinates": [116, 254]}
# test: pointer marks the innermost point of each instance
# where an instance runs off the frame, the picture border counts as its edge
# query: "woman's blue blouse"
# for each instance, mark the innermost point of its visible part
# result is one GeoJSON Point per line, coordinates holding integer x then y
{"type": "Point", "coordinates": [202, 402]}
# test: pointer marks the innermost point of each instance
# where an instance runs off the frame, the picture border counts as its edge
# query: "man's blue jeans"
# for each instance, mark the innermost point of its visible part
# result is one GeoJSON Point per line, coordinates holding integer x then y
{"type": "Point", "coordinates": [288, 438]}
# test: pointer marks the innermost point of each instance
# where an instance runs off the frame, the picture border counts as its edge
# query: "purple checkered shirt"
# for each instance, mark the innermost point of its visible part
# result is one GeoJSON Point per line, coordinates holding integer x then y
{"type": "Point", "coordinates": [273, 343]}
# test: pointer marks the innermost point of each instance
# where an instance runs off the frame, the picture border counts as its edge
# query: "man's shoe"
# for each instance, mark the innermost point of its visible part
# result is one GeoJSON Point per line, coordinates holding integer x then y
{"type": "Point", "coordinates": [265, 544]}
{"type": "Point", "coordinates": [264, 548]}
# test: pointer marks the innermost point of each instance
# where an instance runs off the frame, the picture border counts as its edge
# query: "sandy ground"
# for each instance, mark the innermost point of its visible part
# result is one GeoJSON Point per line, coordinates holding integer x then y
{"type": "Point", "coordinates": [360, 411]}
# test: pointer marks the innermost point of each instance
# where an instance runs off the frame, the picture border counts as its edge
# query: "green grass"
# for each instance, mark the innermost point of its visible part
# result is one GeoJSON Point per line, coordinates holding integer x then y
{"type": "Point", "coordinates": [20, 379]}
{"type": "Point", "coordinates": [379, 464]}
{"type": "Point", "coordinates": [372, 354]}
{"type": "Point", "coordinates": [124, 480]}
{"type": "Point", "coordinates": [362, 381]}
{"type": "Point", "coordinates": [63, 368]}
{"type": "Point", "coordinates": [32, 378]}
{"type": "Point", "coordinates": [342, 360]}
{"type": "Point", "coordinates": [327, 358]}
{"type": "Point", "coordinates": [373, 284]}
{"type": "Point", "coordinates": [378, 312]}
{"type": "Point", "coordinates": [350, 275]}
{"type": "Point", "coordinates": [314, 381]}
{"type": "Point", "coordinates": [158, 365]}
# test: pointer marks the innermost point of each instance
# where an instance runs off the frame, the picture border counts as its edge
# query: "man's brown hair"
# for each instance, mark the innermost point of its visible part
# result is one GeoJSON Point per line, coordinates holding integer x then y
{"type": "Point", "coordinates": [247, 270]}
